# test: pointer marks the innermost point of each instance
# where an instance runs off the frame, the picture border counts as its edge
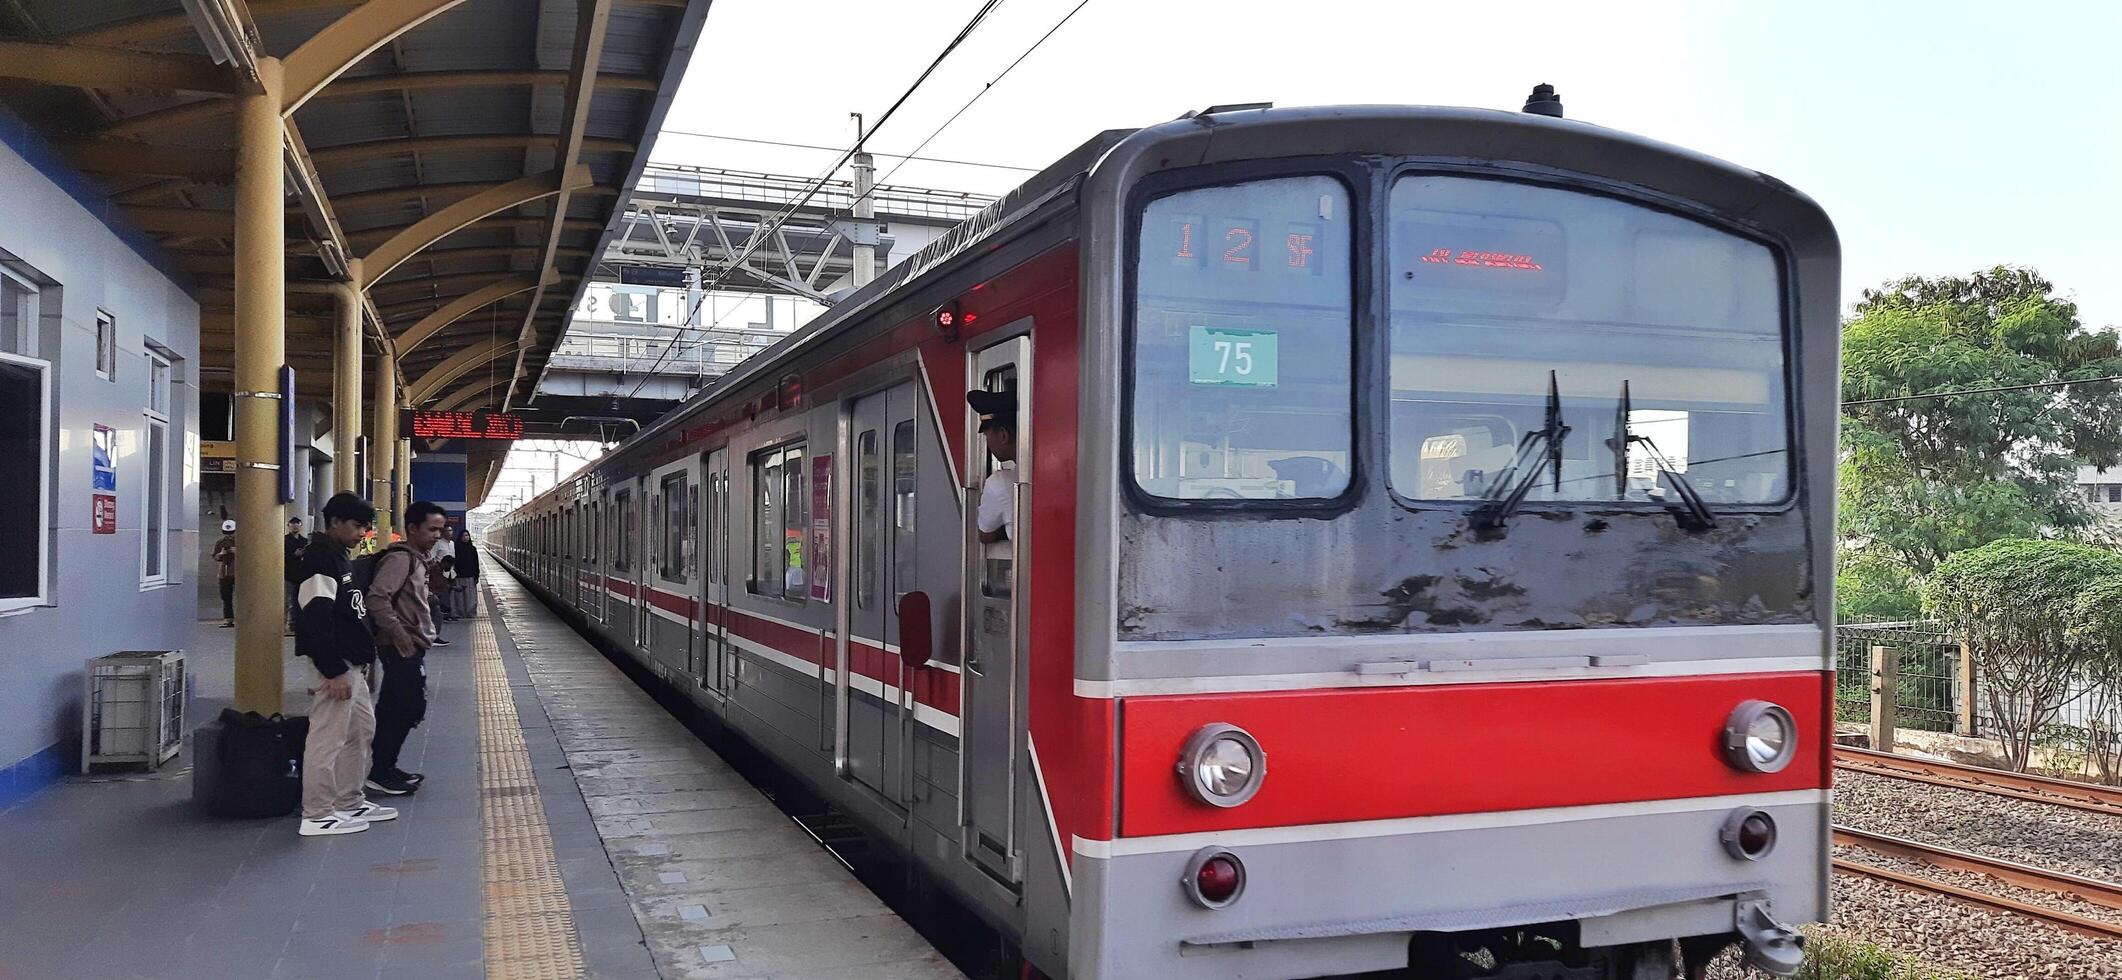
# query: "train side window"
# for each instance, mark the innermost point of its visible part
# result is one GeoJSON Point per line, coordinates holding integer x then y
{"type": "Point", "coordinates": [780, 523]}
{"type": "Point", "coordinates": [869, 491]}
{"type": "Point", "coordinates": [1243, 324]}
{"type": "Point", "coordinates": [624, 529]}
{"type": "Point", "coordinates": [904, 497]}
{"type": "Point", "coordinates": [676, 524]}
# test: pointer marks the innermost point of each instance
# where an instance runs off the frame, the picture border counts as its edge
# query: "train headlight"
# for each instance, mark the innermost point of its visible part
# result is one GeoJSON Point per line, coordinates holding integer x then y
{"type": "Point", "coordinates": [1760, 737]}
{"type": "Point", "coordinates": [1222, 765]}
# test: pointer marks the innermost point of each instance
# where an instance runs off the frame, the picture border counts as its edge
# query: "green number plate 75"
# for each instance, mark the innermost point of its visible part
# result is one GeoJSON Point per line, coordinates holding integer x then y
{"type": "Point", "coordinates": [1234, 358]}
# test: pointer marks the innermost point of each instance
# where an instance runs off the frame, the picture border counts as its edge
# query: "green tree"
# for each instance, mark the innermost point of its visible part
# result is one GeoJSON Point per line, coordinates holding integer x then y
{"type": "Point", "coordinates": [2015, 603]}
{"type": "Point", "coordinates": [1924, 478]}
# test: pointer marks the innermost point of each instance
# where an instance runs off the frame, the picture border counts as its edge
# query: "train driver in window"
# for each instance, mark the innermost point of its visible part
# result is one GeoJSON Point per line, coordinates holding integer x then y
{"type": "Point", "coordinates": [998, 426]}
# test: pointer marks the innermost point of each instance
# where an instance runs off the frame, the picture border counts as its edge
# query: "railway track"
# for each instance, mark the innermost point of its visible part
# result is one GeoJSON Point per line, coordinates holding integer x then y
{"type": "Point", "coordinates": [2057, 792]}
{"type": "Point", "coordinates": [2103, 893]}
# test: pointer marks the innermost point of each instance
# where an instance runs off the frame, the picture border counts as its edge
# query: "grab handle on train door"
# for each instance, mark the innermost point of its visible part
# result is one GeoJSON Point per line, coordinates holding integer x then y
{"type": "Point", "coordinates": [916, 645]}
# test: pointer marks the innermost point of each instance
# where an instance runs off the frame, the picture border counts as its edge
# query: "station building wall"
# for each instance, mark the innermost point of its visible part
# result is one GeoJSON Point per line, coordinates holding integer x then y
{"type": "Point", "coordinates": [116, 341]}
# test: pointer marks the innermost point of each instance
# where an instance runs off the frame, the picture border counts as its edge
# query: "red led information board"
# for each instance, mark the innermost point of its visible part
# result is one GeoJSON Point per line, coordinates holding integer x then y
{"type": "Point", "coordinates": [465, 425]}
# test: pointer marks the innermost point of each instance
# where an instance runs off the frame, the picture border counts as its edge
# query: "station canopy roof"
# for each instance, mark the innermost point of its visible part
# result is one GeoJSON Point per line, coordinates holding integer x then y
{"type": "Point", "coordinates": [447, 144]}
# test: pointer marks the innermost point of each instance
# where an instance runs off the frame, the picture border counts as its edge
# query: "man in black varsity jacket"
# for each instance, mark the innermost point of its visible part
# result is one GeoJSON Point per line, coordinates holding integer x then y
{"type": "Point", "coordinates": [332, 631]}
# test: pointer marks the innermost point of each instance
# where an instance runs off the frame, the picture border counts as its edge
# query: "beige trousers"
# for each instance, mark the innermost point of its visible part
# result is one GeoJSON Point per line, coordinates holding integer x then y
{"type": "Point", "coordinates": [335, 758]}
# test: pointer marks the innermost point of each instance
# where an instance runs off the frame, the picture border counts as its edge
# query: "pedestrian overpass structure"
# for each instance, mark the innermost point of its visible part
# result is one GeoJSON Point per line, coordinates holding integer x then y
{"type": "Point", "coordinates": [657, 322]}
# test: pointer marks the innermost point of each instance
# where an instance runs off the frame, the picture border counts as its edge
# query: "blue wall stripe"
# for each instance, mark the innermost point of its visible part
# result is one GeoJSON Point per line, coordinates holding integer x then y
{"type": "Point", "coordinates": [20, 781]}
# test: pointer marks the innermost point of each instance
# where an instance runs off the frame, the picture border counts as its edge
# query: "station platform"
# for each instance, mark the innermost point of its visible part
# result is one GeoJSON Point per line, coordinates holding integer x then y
{"type": "Point", "coordinates": [569, 827]}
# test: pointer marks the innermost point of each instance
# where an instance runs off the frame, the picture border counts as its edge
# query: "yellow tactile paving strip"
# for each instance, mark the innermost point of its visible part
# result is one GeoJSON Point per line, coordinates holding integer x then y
{"type": "Point", "coordinates": [530, 929]}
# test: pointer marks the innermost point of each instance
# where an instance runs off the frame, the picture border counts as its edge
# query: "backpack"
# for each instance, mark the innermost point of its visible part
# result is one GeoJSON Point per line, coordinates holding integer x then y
{"type": "Point", "coordinates": [365, 569]}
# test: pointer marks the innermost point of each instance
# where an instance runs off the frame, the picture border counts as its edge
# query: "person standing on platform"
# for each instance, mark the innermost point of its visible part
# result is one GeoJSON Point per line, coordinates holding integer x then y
{"type": "Point", "coordinates": [291, 567]}
{"type": "Point", "coordinates": [225, 556]}
{"type": "Point", "coordinates": [398, 599]}
{"type": "Point", "coordinates": [465, 591]}
{"type": "Point", "coordinates": [441, 564]}
{"type": "Point", "coordinates": [331, 630]}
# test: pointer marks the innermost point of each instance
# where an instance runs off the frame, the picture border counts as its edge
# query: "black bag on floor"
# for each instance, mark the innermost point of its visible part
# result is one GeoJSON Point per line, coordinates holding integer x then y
{"type": "Point", "coordinates": [245, 764]}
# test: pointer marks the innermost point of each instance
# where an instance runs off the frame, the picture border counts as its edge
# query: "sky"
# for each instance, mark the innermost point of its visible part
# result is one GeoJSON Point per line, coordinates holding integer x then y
{"type": "Point", "coordinates": [1941, 137]}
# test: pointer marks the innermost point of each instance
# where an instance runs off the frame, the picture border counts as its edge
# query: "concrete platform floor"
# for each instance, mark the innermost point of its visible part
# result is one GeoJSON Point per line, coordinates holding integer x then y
{"type": "Point", "coordinates": [661, 861]}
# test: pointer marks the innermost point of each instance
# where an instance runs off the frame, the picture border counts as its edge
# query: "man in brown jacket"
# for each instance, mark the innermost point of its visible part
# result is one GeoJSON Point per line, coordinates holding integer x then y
{"type": "Point", "coordinates": [398, 603]}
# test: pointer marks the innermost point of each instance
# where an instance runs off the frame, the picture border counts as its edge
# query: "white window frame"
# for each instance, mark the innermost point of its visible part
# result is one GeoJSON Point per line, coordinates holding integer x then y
{"type": "Point", "coordinates": [43, 596]}
{"type": "Point", "coordinates": [155, 418]}
{"type": "Point", "coordinates": [106, 345]}
{"type": "Point", "coordinates": [33, 327]}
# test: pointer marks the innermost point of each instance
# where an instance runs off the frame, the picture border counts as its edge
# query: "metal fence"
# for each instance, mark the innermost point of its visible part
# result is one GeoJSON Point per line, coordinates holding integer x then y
{"type": "Point", "coordinates": [1927, 683]}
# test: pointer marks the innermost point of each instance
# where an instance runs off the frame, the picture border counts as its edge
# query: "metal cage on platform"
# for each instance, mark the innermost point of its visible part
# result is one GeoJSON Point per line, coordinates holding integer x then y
{"type": "Point", "coordinates": [133, 708]}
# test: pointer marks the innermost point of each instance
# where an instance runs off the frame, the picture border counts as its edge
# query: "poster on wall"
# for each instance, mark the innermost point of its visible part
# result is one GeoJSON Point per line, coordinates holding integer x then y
{"type": "Point", "coordinates": [103, 481]}
{"type": "Point", "coordinates": [821, 528]}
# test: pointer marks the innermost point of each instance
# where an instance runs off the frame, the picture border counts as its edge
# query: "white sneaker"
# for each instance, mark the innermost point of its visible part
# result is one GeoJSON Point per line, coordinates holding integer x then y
{"type": "Point", "coordinates": [373, 812]}
{"type": "Point", "coordinates": [337, 823]}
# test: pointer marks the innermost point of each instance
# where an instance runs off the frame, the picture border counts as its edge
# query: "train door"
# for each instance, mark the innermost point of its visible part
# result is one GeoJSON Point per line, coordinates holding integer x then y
{"type": "Point", "coordinates": [626, 553]}
{"type": "Point", "coordinates": [716, 669]}
{"type": "Point", "coordinates": [640, 558]}
{"type": "Point", "coordinates": [570, 584]}
{"type": "Point", "coordinates": [994, 611]}
{"type": "Point", "coordinates": [881, 568]}
{"type": "Point", "coordinates": [600, 549]}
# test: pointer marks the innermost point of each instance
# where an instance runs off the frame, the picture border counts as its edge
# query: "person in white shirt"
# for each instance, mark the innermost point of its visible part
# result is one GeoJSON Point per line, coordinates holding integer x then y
{"type": "Point", "coordinates": [998, 494]}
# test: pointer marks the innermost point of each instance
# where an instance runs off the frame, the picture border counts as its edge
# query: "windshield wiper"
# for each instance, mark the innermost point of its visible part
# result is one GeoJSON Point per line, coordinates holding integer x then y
{"type": "Point", "coordinates": [1539, 450]}
{"type": "Point", "coordinates": [1690, 509]}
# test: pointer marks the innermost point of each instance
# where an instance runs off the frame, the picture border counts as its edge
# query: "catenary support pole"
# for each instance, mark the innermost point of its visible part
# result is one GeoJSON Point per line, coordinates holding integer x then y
{"type": "Point", "coordinates": [261, 347]}
{"type": "Point", "coordinates": [346, 390]}
{"type": "Point", "coordinates": [382, 446]}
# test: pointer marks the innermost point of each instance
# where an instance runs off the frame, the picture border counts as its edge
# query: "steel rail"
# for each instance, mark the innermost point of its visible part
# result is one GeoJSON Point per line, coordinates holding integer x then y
{"type": "Point", "coordinates": [2055, 917]}
{"type": "Point", "coordinates": [2059, 792]}
{"type": "Point", "coordinates": [2063, 883]}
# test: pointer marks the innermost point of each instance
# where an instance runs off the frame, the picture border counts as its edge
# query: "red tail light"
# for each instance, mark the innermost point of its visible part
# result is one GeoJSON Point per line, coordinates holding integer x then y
{"type": "Point", "coordinates": [1218, 879]}
{"type": "Point", "coordinates": [1214, 878]}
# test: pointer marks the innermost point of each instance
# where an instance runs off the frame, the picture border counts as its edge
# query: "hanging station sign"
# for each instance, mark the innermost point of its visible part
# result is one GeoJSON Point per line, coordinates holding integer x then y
{"type": "Point", "coordinates": [464, 425]}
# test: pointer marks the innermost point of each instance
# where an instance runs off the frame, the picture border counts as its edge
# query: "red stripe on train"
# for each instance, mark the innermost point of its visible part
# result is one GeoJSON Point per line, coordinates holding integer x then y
{"type": "Point", "coordinates": [1373, 754]}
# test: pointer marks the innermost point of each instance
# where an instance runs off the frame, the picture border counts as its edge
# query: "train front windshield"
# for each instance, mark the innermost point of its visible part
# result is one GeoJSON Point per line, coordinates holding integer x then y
{"type": "Point", "coordinates": [1497, 291]}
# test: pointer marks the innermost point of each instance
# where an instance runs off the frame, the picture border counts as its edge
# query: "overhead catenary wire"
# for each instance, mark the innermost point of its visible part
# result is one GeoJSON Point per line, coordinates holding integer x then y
{"type": "Point", "coordinates": [674, 346]}
{"type": "Point", "coordinates": [837, 149]}
{"type": "Point", "coordinates": [773, 226]}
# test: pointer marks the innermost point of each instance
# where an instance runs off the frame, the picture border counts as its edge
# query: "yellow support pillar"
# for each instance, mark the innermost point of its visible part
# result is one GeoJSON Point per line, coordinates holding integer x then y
{"type": "Point", "coordinates": [405, 472]}
{"type": "Point", "coordinates": [346, 390]}
{"type": "Point", "coordinates": [383, 446]}
{"type": "Point", "coordinates": [261, 347]}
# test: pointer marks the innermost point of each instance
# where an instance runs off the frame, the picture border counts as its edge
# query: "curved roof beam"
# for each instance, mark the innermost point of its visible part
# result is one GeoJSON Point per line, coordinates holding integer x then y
{"type": "Point", "coordinates": [379, 262]}
{"type": "Point", "coordinates": [360, 31]}
{"type": "Point", "coordinates": [454, 367]}
{"type": "Point", "coordinates": [460, 307]}
{"type": "Point", "coordinates": [418, 192]}
{"type": "Point", "coordinates": [505, 224]}
{"type": "Point", "coordinates": [469, 397]}
{"type": "Point", "coordinates": [110, 68]}
{"type": "Point", "coordinates": [204, 109]}
{"type": "Point", "coordinates": [155, 27]}
{"type": "Point", "coordinates": [375, 149]}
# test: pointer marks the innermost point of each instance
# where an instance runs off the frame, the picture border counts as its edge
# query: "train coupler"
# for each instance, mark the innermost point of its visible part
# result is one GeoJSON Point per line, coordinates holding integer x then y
{"type": "Point", "coordinates": [1770, 945]}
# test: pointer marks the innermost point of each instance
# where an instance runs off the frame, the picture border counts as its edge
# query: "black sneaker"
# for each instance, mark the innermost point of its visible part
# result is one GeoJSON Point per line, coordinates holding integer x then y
{"type": "Point", "coordinates": [412, 779]}
{"type": "Point", "coordinates": [388, 784]}
{"type": "Point", "coordinates": [440, 642]}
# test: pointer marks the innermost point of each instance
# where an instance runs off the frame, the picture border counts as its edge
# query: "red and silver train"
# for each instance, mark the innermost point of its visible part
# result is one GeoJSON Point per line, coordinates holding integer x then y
{"type": "Point", "coordinates": [1420, 555]}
